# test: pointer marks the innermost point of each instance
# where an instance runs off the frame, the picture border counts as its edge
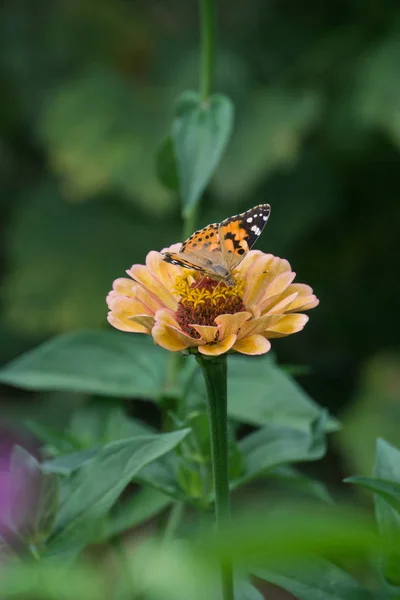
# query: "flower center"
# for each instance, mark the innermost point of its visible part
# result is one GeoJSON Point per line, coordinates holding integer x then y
{"type": "Point", "coordinates": [203, 299]}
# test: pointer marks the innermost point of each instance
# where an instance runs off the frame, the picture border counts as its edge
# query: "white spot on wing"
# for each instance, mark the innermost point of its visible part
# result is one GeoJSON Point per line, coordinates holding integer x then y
{"type": "Point", "coordinates": [249, 220]}
{"type": "Point", "coordinates": [256, 230]}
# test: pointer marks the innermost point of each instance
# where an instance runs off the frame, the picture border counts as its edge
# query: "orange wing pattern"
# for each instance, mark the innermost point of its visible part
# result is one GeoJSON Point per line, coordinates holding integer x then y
{"type": "Point", "coordinates": [217, 249]}
{"type": "Point", "coordinates": [238, 234]}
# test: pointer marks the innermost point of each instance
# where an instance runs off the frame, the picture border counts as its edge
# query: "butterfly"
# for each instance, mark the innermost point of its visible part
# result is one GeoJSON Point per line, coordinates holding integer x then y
{"type": "Point", "coordinates": [217, 249]}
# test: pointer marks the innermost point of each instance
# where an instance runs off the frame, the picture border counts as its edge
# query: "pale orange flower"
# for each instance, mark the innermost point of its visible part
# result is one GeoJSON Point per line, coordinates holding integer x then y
{"type": "Point", "coordinates": [183, 310]}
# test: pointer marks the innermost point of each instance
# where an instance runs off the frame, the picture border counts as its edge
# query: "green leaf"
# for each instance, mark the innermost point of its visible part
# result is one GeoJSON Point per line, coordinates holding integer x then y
{"type": "Point", "coordinates": [385, 488]}
{"type": "Point", "coordinates": [166, 165]}
{"type": "Point", "coordinates": [273, 445]}
{"type": "Point", "coordinates": [68, 463]}
{"type": "Point", "coordinates": [93, 490]}
{"type": "Point", "coordinates": [144, 505]}
{"type": "Point", "coordinates": [34, 497]}
{"type": "Point", "coordinates": [96, 362]}
{"type": "Point", "coordinates": [387, 467]}
{"type": "Point", "coordinates": [297, 482]}
{"type": "Point", "coordinates": [101, 421]}
{"type": "Point", "coordinates": [200, 133]}
{"type": "Point", "coordinates": [261, 393]}
{"type": "Point", "coordinates": [314, 579]}
{"type": "Point", "coordinates": [162, 476]}
{"type": "Point", "coordinates": [52, 437]}
{"type": "Point", "coordinates": [244, 590]}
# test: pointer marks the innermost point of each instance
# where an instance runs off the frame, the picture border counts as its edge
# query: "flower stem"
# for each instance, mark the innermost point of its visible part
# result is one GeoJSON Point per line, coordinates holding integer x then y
{"type": "Point", "coordinates": [215, 375]}
{"type": "Point", "coordinates": [208, 29]}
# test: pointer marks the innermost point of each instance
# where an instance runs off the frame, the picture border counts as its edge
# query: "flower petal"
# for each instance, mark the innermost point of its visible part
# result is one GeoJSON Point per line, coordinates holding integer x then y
{"type": "Point", "coordinates": [252, 344]}
{"type": "Point", "coordinates": [141, 274]}
{"type": "Point", "coordinates": [228, 324]}
{"type": "Point", "coordinates": [167, 333]}
{"type": "Point", "coordinates": [174, 248]}
{"type": "Point", "coordinates": [286, 325]}
{"type": "Point", "coordinates": [258, 325]}
{"type": "Point", "coordinates": [279, 284]}
{"type": "Point", "coordinates": [125, 325]}
{"type": "Point", "coordinates": [124, 286]}
{"type": "Point", "coordinates": [169, 337]}
{"type": "Point", "coordinates": [124, 309]}
{"type": "Point", "coordinates": [143, 320]}
{"type": "Point", "coordinates": [219, 347]}
{"type": "Point", "coordinates": [249, 260]}
{"type": "Point", "coordinates": [279, 304]}
{"type": "Point", "coordinates": [164, 272]}
{"type": "Point", "coordinates": [306, 298]}
{"type": "Point", "coordinates": [141, 303]}
{"type": "Point", "coordinates": [256, 276]}
{"type": "Point", "coordinates": [208, 333]}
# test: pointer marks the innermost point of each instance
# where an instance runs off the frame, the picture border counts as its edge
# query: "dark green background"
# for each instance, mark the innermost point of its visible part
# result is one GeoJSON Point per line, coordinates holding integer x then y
{"type": "Point", "coordinates": [87, 93]}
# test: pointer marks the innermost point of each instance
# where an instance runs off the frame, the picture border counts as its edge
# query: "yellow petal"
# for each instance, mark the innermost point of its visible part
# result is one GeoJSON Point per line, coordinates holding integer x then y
{"type": "Point", "coordinates": [249, 260]}
{"type": "Point", "coordinates": [208, 332]}
{"type": "Point", "coordinates": [167, 333]}
{"type": "Point", "coordinates": [125, 325]}
{"type": "Point", "coordinates": [124, 286]}
{"type": "Point", "coordinates": [257, 278]}
{"type": "Point", "coordinates": [141, 274]}
{"type": "Point", "coordinates": [306, 298]}
{"type": "Point", "coordinates": [279, 284]}
{"type": "Point", "coordinates": [279, 304]}
{"type": "Point", "coordinates": [286, 325]}
{"type": "Point", "coordinates": [167, 317]}
{"type": "Point", "coordinates": [301, 288]}
{"type": "Point", "coordinates": [311, 304]}
{"type": "Point", "coordinates": [144, 320]}
{"type": "Point", "coordinates": [252, 344]}
{"type": "Point", "coordinates": [166, 273]}
{"type": "Point", "coordinates": [258, 325]}
{"type": "Point", "coordinates": [219, 347]}
{"type": "Point", "coordinates": [124, 307]}
{"type": "Point", "coordinates": [168, 337]}
{"type": "Point", "coordinates": [228, 324]}
{"type": "Point", "coordinates": [304, 303]}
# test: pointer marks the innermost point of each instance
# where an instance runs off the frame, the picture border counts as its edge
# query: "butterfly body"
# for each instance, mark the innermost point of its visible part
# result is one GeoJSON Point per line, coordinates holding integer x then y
{"type": "Point", "coordinates": [217, 249]}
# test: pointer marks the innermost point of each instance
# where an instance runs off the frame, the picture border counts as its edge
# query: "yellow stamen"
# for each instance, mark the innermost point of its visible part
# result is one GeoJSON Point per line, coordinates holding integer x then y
{"type": "Point", "coordinates": [206, 289]}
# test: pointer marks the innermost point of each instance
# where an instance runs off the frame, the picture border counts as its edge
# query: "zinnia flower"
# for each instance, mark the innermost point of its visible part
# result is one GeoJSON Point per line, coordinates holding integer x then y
{"type": "Point", "coordinates": [183, 310]}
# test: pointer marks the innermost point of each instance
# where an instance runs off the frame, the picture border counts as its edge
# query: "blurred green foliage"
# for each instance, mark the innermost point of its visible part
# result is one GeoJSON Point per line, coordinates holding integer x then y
{"type": "Point", "coordinates": [87, 97]}
{"type": "Point", "coordinates": [88, 92]}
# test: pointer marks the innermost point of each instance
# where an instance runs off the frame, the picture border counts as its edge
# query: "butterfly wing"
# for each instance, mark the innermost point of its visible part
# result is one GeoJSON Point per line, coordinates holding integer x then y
{"type": "Point", "coordinates": [238, 234]}
{"type": "Point", "coordinates": [201, 251]}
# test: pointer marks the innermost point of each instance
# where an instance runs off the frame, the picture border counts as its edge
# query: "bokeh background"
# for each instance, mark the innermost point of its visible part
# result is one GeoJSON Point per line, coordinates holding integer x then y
{"type": "Point", "coordinates": [87, 97]}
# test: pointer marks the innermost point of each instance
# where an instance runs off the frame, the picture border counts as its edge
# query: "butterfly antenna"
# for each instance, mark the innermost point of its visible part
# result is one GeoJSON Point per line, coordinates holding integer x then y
{"type": "Point", "coordinates": [200, 281]}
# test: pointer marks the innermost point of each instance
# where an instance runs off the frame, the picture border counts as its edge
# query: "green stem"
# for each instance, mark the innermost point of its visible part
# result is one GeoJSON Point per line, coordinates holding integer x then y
{"type": "Point", "coordinates": [215, 375]}
{"type": "Point", "coordinates": [208, 30]}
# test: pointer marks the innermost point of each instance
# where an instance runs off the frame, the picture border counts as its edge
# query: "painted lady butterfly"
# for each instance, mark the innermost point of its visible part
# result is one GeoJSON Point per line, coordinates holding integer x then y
{"type": "Point", "coordinates": [216, 250]}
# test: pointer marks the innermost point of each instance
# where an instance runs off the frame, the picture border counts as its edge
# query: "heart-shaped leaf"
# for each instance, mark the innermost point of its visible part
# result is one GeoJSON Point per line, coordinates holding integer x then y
{"type": "Point", "coordinates": [200, 132]}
